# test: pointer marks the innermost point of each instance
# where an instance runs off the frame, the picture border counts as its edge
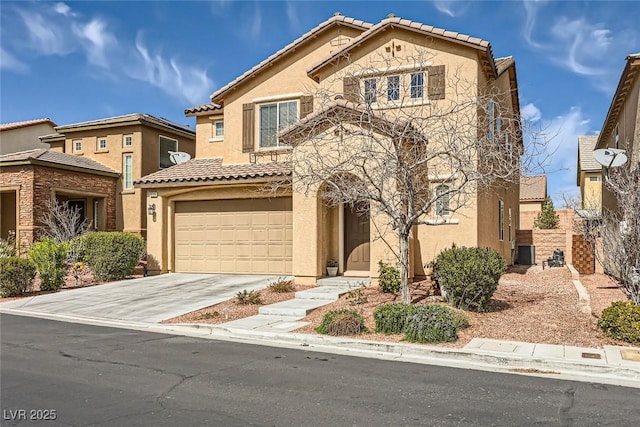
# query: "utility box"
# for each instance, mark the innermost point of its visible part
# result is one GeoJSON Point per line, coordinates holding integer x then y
{"type": "Point", "coordinates": [526, 255]}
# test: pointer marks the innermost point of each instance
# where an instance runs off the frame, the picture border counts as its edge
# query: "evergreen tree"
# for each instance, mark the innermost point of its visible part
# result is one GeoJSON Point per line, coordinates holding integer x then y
{"type": "Point", "coordinates": [547, 218]}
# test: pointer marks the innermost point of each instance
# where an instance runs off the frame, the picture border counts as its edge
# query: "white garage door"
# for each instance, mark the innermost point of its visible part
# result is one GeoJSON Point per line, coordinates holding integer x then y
{"type": "Point", "coordinates": [234, 236]}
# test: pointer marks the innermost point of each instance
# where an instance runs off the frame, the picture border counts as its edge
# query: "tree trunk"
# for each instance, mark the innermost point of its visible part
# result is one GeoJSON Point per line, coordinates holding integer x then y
{"type": "Point", "coordinates": [404, 267]}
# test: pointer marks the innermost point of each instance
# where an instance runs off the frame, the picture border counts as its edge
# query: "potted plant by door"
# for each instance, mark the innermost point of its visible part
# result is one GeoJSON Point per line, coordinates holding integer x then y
{"type": "Point", "coordinates": [332, 267]}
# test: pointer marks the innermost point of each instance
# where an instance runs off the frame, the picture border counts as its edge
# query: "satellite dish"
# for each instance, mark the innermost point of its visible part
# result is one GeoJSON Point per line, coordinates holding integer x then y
{"type": "Point", "coordinates": [178, 157]}
{"type": "Point", "coordinates": [610, 157]}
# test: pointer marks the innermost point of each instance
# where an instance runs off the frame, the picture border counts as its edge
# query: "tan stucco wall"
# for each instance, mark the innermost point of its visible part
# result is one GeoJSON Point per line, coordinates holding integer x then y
{"type": "Point", "coordinates": [24, 138]}
{"type": "Point", "coordinates": [528, 213]}
{"type": "Point", "coordinates": [591, 191]}
{"type": "Point", "coordinates": [145, 148]}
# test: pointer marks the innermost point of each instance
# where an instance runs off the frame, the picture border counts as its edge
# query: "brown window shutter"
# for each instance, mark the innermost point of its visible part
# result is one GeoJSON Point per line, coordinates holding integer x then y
{"type": "Point", "coordinates": [351, 89]}
{"type": "Point", "coordinates": [248, 127]}
{"type": "Point", "coordinates": [306, 106]}
{"type": "Point", "coordinates": [436, 82]}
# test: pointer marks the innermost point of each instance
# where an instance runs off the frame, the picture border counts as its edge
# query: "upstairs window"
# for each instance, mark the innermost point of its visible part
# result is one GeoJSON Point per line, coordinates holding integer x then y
{"type": "Point", "coordinates": [127, 171]}
{"type": "Point", "coordinates": [273, 118]}
{"type": "Point", "coordinates": [443, 200]}
{"type": "Point", "coordinates": [166, 145]}
{"type": "Point", "coordinates": [102, 143]}
{"type": "Point", "coordinates": [417, 85]}
{"type": "Point", "coordinates": [370, 91]}
{"type": "Point", "coordinates": [77, 146]}
{"type": "Point", "coordinates": [218, 129]}
{"type": "Point", "coordinates": [393, 88]}
{"type": "Point", "coordinates": [127, 140]}
{"type": "Point", "coordinates": [491, 113]}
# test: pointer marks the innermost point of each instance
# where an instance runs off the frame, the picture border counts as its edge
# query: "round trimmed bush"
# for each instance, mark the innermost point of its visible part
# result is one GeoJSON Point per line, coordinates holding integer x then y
{"type": "Point", "coordinates": [431, 324]}
{"type": "Point", "coordinates": [388, 278]}
{"type": "Point", "coordinates": [621, 320]}
{"type": "Point", "coordinates": [16, 276]}
{"type": "Point", "coordinates": [341, 322]}
{"type": "Point", "coordinates": [50, 258]}
{"type": "Point", "coordinates": [111, 255]}
{"type": "Point", "coordinates": [469, 276]}
{"type": "Point", "coordinates": [391, 318]}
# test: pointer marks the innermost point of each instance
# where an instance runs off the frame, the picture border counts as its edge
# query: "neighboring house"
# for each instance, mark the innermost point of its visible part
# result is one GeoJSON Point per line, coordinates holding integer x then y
{"type": "Point", "coordinates": [211, 215]}
{"type": "Point", "coordinates": [23, 136]}
{"type": "Point", "coordinates": [28, 179]}
{"type": "Point", "coordinates": [92, 165]}
{"type": "Point", "coordinates": [533, 192]}
{"type": "Point", "coordinates": [134, 145]}
{"type": "Point", "coordinates": [589, 174]}
{"type": "Point", "coordinates": [621, 128]}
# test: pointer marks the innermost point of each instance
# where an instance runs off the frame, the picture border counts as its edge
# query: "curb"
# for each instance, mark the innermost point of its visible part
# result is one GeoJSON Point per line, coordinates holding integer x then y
{"type": "Point", "coordinates": [584, 299]}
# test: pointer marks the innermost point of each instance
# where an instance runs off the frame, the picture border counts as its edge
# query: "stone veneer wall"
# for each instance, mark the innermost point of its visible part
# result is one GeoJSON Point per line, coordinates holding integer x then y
{"type": "Point", "coordinates": [36, 184]}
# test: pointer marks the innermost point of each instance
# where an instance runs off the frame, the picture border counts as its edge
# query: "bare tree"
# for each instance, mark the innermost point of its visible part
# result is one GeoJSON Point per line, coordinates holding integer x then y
{"type": "Point", "coordinates": [615, 236]}
{"type": "Point", "coordinates": [406, 152]}
{"type": "Point", "coordinates": [62, 222]}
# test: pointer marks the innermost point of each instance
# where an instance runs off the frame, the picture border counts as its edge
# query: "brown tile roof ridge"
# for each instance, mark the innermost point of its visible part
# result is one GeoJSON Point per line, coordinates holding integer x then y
{"type": "Point", "coordinates": [533, 188]}
{"type": "Point", "coordinates": [25, 123]}
{"type": "Point", "coordinates": [586, 145]}
{"type": "Point", "coordinates": [336, 18]}
{"type": "Point", "coordinates": [503, 63]}
{"type": "Point", "coordinates": [126, 118]}
{"type": "Point", "coordinates": [47, 156]}
{"type": "Point", "coordinates": [202, 108]}
{"type": "Point", "coordinates": [212, 169]}
{"type": "Point", "coordinates": [393, 20]}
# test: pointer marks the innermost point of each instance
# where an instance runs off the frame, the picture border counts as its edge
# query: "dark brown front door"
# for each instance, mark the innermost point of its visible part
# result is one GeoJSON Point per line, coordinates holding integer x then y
{"type": "Point", "coordinates": [356, 239]}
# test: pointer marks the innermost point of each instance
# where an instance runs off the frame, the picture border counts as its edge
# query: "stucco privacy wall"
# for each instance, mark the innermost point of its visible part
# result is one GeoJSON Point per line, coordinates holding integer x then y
{"type": "Point", "coordinates": [34, 185]}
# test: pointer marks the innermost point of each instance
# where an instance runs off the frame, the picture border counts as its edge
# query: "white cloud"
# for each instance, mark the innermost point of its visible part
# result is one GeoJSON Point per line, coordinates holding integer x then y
{"type": "Point", "coordinates": [96, 40]}
{"type": "Point", "coordinates": [10, 62]}
{"type": "Point", "coordinates": [530, 113]}
{"type": "Point", "coordinates": [585, 45]}
{"type": "Point", "coordinates": [185, 82]}
{"type": "Point", "coordinates": [292, 15]}
{"type": "Point", "coordinates": [63, 9]}
{"type": "Point", "coordinates": [46, 36]}
{"type": "Point", "coordinates": [453, 8]}
{"type": "Point", "coordinates": [255, 24]}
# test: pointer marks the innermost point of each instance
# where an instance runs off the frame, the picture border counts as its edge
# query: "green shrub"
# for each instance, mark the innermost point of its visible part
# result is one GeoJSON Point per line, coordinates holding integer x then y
{"type": "Point", "coordinates": [469, 276]}
{"type": "Point", "coordinates": [357, 297]}
{"type": "Point", "coordinates": [388, 278]}
{"type": "Point", "coordinates": [111, 255]}
{"type": "Point", "coordinates": [49, 257]}
{"type": "Point", "coordinates": [16, 276]}
{"type": "Point", "coordinates": [391, 318]}
{"type": "Point", "coordinates": [431, 324]}
{"type": "Point", "coordinates": [342, 322]}
{"type": "Point", "coordinates": [248, 297]}
{"type": "Point", "coordinates": [621, 320]}
{"type": "Point", "coordinates": [281, 286]}
{"type": "Point", "coordinates": [8, 246]}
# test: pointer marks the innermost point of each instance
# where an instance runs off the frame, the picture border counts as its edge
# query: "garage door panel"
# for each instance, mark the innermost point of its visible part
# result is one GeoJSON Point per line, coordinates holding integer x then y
{"type": "Point", "coordinates": [234, 236]}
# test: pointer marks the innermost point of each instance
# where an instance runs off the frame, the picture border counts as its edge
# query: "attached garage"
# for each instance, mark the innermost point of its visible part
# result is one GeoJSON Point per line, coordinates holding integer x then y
{"type": "Point", "coordinates": [250, 236]}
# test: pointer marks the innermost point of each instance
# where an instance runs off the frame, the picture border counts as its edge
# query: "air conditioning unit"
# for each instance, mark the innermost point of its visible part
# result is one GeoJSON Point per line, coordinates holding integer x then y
{"type": "Point", "coordinates": [526, 255]}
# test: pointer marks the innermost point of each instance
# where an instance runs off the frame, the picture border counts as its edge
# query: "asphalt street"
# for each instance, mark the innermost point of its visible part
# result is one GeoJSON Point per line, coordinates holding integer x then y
{"type": "Point", "coordinates": [89, 375]}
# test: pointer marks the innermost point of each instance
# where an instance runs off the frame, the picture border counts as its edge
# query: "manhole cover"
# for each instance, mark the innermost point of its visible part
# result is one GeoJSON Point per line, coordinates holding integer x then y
{"type": "Point", "coordinates": [591, 356]}
{"type": "Point", "coordinates": [633, 355]}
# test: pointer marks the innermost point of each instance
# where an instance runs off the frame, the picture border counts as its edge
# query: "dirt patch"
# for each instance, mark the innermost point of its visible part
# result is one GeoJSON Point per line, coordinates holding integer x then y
{"type": "Point", "coordinates": [603, 290]}
{"type": "Point", "coordinates": [230, 310]}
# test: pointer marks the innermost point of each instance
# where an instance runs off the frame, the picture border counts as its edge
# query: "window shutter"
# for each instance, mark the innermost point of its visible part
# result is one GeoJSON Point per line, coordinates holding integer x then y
{"type": "Point", "coordinates": [306, 106]}
{"type": "Point", "coordinates": [351, 89]}
{"type": "Point", "coordinates": [248, 128]}
{"type": "Point", "coordinates": [436, 82]}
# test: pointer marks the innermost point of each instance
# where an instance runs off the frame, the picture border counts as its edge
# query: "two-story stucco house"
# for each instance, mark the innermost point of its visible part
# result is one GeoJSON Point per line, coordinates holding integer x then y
{"type": "Point", "coordinates": [212, 214]}
{"type": "Point", "coordinates": [589, 175]}
{"type": "Point", "coordinates": [92, 166]}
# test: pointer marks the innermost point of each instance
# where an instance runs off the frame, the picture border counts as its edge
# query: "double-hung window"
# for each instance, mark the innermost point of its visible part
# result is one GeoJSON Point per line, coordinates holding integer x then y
{"type": "Point", "coordinates": [393, 88]}
{"type": "Point", "coordinates": [166, 145]}
{"type": "Point", "coordinates": [102, 143]}
{"type": "Point", "coordinates": [127, 171]}
{"type": "Point", "coordinates": [273, 118]}
{"type": "Point", "coordinates": [77, 146]}
{"type": "Point", "coordinates": [443, 201]}
{"type": "Point", "coordinates": [417, 85]}
{"type": "Point", "coordinates": [127, 140]}
{"type": "Point", "coordinates": [218, 130]}
{"type": "Point", "coordinates": [370, 91]}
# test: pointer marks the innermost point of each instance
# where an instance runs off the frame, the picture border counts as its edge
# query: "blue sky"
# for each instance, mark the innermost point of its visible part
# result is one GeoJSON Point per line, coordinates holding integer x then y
{"type": "Point", "coordinates": [76, 61]}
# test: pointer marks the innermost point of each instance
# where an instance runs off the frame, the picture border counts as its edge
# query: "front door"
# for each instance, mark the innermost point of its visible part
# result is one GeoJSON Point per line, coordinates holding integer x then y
{"type": "Point", "coordinates": [356, 239]}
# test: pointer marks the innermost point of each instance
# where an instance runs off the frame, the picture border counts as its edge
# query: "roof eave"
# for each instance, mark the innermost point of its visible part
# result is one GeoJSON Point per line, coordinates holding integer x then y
{"type": "Point", "coordinates": [209, 181]}
{"type": "Point", "coordinates": [44, 163]}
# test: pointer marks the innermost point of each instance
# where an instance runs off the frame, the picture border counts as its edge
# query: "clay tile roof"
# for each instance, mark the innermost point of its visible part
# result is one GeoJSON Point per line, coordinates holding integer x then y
{"type": "Point", "coordinates": [586, 145]}
{"type": "Point", "coordinates": [127, 119]}
{"type": "Point", "coordinates": [44, 155]}
{"type": "Point", "coordinates": [533, 188]}
{"type": "Point", "coordinates": [396, 21]}
{"type": "Point", "coordinates": [208, 170]}
{"type": "Point", "coordinates": [17, 125]}
{"type": "Point", "coordinates": [202, 108]}
{"type": "Point", "coordinates": [336, 19]}
{"type": "Point", "coordinates": [503, 63]}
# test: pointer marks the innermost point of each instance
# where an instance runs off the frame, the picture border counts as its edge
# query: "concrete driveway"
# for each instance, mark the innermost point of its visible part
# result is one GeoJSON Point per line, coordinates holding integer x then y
{"type": "Point", "coordinates": [149, 299]}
